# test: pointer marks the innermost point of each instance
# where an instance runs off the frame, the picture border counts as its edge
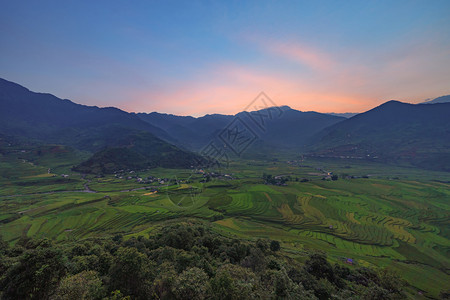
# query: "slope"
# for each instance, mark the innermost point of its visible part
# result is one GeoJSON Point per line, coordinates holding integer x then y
{"type": "Point", "coordinates": [392, 132]}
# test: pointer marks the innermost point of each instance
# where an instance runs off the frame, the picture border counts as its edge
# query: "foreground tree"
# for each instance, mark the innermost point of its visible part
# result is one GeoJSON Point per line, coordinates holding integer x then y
{"type": "Point", "coordinates": [85, 285]}
{"type": "Point", "coordinates": [131, 273]}
{"type": "Point", "coordinates": [275, 245]}
{"type": "Point", "coordinates": [35, 275]}
{"type": "Point", "coordinates": [191, 284]}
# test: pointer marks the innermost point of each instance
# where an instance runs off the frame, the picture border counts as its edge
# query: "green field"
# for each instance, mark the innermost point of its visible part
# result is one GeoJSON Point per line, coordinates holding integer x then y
{"type": "Point", "coordinates": [384, 216]}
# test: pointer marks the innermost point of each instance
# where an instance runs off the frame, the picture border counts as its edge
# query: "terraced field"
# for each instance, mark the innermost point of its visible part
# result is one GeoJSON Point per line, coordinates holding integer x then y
{"type": "Point", "coordinates": [403, 223]}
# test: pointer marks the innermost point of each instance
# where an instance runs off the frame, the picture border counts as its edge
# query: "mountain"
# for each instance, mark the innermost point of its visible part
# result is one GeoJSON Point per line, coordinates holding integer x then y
{"type": "Point", "coordinates": [345, 115]}
{"type": "Point", "coordinates": [192, 133]}
{"type": "Point", "coordinates": [392, 132]}
{"type": "Point", "coordinates": [276, 127]}
{"type": "Point", "coordinates": [292, 128]}
{"type": "Point", "coordinates": [442, 99]}
{"type": "Point", "coordinates": [138, 150]}
{"type": "Point", "coordinates": [47, 119]}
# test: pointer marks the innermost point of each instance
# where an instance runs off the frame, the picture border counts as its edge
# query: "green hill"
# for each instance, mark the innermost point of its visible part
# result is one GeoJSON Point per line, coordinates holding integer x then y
{"type": "Point", "coordinates": [137, 151]}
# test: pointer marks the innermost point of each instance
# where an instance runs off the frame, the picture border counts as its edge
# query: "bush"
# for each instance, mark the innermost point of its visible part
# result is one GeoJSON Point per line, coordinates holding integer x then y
{"type": "Point", "coordinates": [84, 285]}
{"type": "Point", "coordinates": [191, 284]}
{"type": "Point", "coordinates": [275, 246]}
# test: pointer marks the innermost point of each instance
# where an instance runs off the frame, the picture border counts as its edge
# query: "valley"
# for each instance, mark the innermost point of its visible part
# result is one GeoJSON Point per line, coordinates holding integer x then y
{"type": "Point", "coordinates": [373, 214]}
{"type": "Point", "coordinates": [224, 150]}
{"type": "Point", "coordinates": [372, 191]}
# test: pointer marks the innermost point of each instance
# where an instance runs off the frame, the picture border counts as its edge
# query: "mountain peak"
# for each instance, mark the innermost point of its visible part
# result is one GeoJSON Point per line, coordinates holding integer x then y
{"type": "Point", "coordinates": [393, 102]}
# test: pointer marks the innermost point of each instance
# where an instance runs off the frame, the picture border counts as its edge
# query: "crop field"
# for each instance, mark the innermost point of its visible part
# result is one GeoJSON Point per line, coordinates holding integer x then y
{"type": "Point", "coordinates": [393, 217]}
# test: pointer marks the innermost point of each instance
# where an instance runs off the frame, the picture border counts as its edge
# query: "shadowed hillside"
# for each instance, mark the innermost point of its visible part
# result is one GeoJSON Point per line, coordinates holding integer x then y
{"type": "Point", "coordinates": [285, 128]}
{"type": "Point", "coordinates": [392, 132]}
{"type": "Point", "coordinates": [46, 119]}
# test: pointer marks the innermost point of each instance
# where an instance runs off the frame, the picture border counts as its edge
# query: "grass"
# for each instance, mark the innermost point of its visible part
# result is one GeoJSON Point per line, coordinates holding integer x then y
{"type": "Point", "coordinates": [396, 217]}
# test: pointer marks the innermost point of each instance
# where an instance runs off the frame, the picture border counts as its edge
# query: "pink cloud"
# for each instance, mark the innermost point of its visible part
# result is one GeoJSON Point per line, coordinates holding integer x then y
{"type": "Point", "coordinates": [353, 81]}
{"type": "Point", "coordinates": [230, 88]}
{"type": "Point", "coordinates": [304, 55]}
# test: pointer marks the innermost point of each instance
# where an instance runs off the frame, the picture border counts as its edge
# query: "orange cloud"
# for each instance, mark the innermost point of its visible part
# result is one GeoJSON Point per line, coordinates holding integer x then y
{"type": "Point", "coordinates": [229, 89]}
{"type": "Point", "coordinates": [337, 82]}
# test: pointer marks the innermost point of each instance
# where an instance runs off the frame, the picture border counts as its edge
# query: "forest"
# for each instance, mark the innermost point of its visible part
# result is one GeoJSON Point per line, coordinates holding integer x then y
{"type": "Point", "coordinates": [182, 260]}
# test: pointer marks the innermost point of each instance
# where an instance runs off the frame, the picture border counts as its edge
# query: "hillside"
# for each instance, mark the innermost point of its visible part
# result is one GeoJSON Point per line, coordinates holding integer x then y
{"type": "Point", "coordinates": [183, 260]}
{"type": "Point", "coordinates": [46, 119]}
{"type": "Point", "coordinates": [287, 129]}
{"type": "Point", "coordinates": [138, 151]}
{"type": "Point", "coordinates": [293, 128]}
{"type": "Point", "coordinates": [190, 132]}
{"type": "Point", "coordinates": [392, 132]}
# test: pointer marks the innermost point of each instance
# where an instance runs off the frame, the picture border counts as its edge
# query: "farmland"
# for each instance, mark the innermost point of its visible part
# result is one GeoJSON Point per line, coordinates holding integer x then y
{"type": "Point", "coordinates": [374, 215]}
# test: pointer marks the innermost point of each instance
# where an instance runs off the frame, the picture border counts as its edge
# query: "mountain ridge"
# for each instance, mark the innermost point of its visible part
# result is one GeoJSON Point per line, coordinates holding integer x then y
{"type": "Point", "coordinates": [441, 99]}
{"type": "Point", "coordinates": [391, 132]}
{"type": "Point", "coordinates": [47, 119]}
{"type": "Point", "coordinates": [196, 132]}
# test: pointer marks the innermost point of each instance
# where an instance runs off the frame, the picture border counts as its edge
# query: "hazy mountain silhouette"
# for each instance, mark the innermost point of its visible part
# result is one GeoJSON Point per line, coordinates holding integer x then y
{"type": "Point", "coordinates": [392, 132]}
{"type": "Point", "coordinates": [48, 119]}
{"type": "Point", "coordinates": [442, 99]}
{"type": "Point", "coordinates": [345, 115]}
{"type": "Point", "coordinates": [275, 127]}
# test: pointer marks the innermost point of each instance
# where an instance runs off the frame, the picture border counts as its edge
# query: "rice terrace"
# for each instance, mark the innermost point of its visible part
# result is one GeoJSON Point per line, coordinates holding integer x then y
{"type": "Point", "coordinates": [361, 220]}
{"type": "Point", "coordinates": [224, 150]}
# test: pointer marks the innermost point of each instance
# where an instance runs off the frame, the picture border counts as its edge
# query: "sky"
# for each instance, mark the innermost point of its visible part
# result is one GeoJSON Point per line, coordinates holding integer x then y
{"type": "Point", "coordinates": [200, 57]}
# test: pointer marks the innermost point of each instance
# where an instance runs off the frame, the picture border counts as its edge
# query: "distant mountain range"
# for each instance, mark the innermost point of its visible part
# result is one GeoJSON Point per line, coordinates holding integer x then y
{"type": "Point", "coordinates": [345, 115]}
{"type": "Point", "coordinates": [46, 119]}
{"type": "Point", "coordinates": [442, 99]}
{"type": "Point", "coordinates": [274, 127]}
{"type": "Point", "coordinates": [392, 132]}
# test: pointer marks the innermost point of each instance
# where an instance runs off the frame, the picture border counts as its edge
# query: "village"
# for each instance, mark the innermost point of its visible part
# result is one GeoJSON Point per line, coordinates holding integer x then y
{"type": "Point", "coordinates": [202, 176]}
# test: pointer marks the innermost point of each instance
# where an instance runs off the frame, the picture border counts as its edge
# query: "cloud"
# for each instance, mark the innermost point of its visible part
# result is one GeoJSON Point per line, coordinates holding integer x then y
{"type": "Point", "coordinates": [303, 55]}
{"type": "Point", "coordinates": [297, 73]}
{"type": "Point", "coordinates": [230, 88]}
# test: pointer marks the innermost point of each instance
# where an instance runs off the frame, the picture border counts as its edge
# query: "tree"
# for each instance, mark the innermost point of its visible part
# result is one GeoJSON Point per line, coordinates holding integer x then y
{"type": "Point", "coordinates": [222, 286]}
{"type": "Point", "coordinates": [164, 281]}
{"type": "Point", "coordinates": [324, 289]}
{"type": "Point", "coordinates": [275, 245]}
{"type": "Point", "coordinates": [278, 285]}
{"type": "Point", "coordinates": [256, 260]}
{"type": "Point", "coordinates": [318, 266]}
{"type": "Point", "coordinates": [3, 245]}
{"type": "Point", "coordinates": [234, 282]}
{"type": "Point", "coordinates": [131, 273]}
{"type": "Point", "coordinates": [36, 274]}
{"type": "Point", "coordinates": [191, 284]}
{"type": "Point", "coordinates": [390, 281]}
{"type": "Point", "coordinates": [263, 244]}
{"type": "Point", "coordinates": [84, 285]}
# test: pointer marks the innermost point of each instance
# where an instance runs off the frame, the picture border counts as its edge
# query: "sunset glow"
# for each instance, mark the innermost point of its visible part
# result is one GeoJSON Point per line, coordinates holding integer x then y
{"type": "Point", "coordinates": [215, 58]}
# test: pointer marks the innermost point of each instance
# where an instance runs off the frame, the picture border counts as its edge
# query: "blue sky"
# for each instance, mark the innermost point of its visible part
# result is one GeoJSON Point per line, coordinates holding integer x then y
{"type": "Point", "coordinates": [198, 57]}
